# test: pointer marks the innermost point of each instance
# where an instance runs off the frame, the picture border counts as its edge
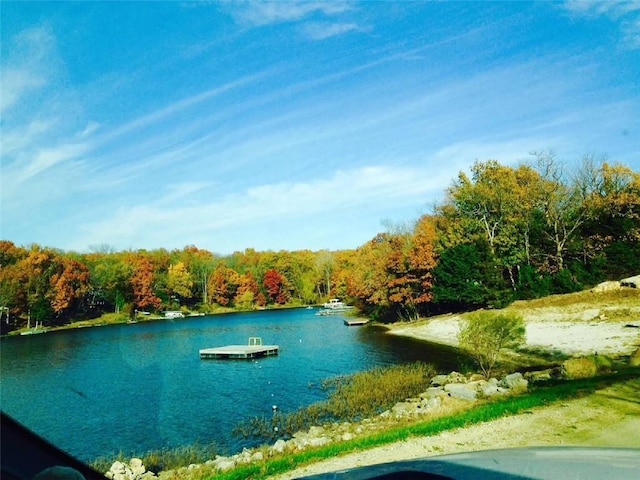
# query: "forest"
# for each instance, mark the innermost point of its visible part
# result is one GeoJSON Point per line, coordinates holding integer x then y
{"type": "Point", "coordinates": [501, 233]}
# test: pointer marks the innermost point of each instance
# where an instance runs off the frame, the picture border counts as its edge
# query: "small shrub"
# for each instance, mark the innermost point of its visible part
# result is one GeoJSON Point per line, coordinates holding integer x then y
{"type": "Point", "coordinates": [484, 334]}
{"type": "Point", "coordinates": [575, 368]}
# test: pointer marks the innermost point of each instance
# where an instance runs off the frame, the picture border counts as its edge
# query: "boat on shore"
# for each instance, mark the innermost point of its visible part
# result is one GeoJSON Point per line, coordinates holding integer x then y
{"type": "Point", "coordinates": [334, 307]}
{"type": "Point", "coordinates": [35, 330]}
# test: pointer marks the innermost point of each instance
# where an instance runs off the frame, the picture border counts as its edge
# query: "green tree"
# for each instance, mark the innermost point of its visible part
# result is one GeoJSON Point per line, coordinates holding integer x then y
{"type": "Point", "coordinates": [485, 334]}
{"type": "Point", "coordinates": [467, 276]}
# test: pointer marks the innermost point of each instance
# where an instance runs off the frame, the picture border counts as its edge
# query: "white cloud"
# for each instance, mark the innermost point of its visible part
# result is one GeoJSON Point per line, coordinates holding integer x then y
{"type": "Point", "coordinates": [375, 186]}
{"type": "Point", "coordinates": [27, 62]}
{"type": "Point", "coordinates": [323, 30]}
{"type": "Point", "coordinates": [625, 12]}
{"type": "Point", "coordinates": [258, 13]}
{"type": "Point", "coordinates": [47, 158]}
{"type": "Point", "coordinates": [613, 8]}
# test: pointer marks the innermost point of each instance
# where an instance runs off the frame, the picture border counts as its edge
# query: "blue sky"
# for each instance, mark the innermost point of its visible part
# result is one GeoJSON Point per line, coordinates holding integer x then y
{"type": "Point", "coordinates": [291, 125]}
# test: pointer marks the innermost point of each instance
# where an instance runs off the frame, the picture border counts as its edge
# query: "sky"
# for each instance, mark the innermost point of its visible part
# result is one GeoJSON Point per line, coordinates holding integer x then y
{"type": "Point", "coordinates": [291, 125]}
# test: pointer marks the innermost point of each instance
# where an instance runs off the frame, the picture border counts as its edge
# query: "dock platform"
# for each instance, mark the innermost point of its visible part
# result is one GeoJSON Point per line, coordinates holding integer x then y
{"type": "Point", "coordinates": [254, 349]}
{"type": "Point", "coordinates": [354, 322]}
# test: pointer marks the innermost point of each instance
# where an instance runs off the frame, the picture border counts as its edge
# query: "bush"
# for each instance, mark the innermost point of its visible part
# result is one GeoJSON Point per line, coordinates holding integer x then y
{"type": "Point", "coordinates": [575, 368]}
{"type": "Point", "coordinates": [484, 334]}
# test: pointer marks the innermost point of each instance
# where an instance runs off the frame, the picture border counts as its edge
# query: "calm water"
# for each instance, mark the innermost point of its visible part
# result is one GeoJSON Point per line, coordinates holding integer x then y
{"type": "Point", "coordinates": [135, 388]}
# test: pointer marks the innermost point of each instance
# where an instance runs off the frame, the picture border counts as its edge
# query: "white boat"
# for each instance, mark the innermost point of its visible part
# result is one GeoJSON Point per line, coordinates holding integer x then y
{"type": "Point", "coordinates": [173, 314]}
{"type": "Point", "coordinates": [334, 304]}
{"type": "Point", "coordinates": [334, 307]}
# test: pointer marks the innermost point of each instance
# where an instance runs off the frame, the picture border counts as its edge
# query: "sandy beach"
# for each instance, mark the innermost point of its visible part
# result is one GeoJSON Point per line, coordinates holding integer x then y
{"type": "Point", "coordinates": [569, 337]}
{"type": "Point", "coordinates": [574, 332]}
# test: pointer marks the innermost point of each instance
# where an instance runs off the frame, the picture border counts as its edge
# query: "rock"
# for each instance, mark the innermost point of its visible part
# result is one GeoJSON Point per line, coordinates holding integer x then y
{"type": "Point", "coordinates": [455, 377]}
{"type": "Point", "coordinates": [633, 282]}
{"type": "Point", "coordinates": [118, 467]}
{"type": "Point", "coordinates": [225, 465]}
{"type": "Point", "coordinates": [136, 466]}
{"type": "Point", "coordinates": [433, 392]}
{"type": "Point", "coordinates": [279, 446]}
{"type": "Point", "coordinates": [606, 287]}
{"type": "Point", "coordinates": [319, 441]}
{"type": "Point", "coordinates": [579, 368]}
{"type": "Point", "coordinates": [489, 389]}
{"type": "Point", "coordinates": [316, 431]}
{"type": "Point", "coordinates": [461, 391]}
{"type": "Point", "coordinates": [514, 382]}
{"type": "Point", "coordinates": [434, 403]}
{"type": "Point", "coordinates": [634, 360]}
{"type": "Point", "coordinates": [257, 457]}
{"type": "Point", "coordinates": [403, 409]}
{"type": "Point", "coordinates": [347, 436]}
{"type": "Point", "coordinates": [439, 380]}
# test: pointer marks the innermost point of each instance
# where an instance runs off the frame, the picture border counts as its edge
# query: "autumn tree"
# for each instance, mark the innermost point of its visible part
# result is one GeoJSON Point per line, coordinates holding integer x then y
{"type": "Point", "coordinates": [223, 285]}
{"type": "Point", "coordinates": [248, 294]}
{"type": "Point", "coordinates": [612, 230]}
{"type": "Point", "coordinates": [69, 284]}
{"type": "Point", "coordinates": [142, 282]}
{"type": "Point", "coordinates": [276, 287]}
{"type": "Point", "coordinates": [498, 203]}
{"type": "Point", "coordinates": [179, 281]}
{"type": "Point", "coordinates": [200, 264]}
{"type": "Point", "coordinates": [410, 261]}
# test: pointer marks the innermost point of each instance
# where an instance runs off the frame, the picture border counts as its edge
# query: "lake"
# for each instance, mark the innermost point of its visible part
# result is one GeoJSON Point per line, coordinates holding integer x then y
{"type": "Point", "coordinates": [138, 387]}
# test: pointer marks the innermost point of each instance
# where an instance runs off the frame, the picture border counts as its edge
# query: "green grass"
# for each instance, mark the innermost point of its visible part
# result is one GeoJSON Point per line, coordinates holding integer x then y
{"type": "Point", "coordinates": [539, 396]}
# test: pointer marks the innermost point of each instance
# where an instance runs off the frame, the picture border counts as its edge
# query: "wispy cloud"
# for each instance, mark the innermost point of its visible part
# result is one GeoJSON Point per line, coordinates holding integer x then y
{"type": "Point", "coordinates": [339, 192]}
{"type": "Point", "coordinates": [624, 12]}
{"type": "Point", "coordinates": [27, 66]}
{"type": "Point", "coordinates": [323, 30]}
{"type": "Point", "coordinates": [257, 13]}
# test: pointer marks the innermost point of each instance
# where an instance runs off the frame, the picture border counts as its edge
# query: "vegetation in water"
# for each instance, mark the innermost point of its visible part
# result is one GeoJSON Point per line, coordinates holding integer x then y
{"type": "Point", "coordinates": [351, 398]}
{"type": "Point", "coordinates": [162, 460]}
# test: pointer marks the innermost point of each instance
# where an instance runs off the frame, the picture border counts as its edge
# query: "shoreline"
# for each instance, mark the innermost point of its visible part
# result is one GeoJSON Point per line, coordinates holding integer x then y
{"type": "Point", "coordinates": [109, 319]}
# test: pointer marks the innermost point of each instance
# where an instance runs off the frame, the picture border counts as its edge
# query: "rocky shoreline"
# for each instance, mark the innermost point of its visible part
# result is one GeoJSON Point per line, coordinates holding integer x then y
{"type": "Point", "coordinates": [447, 394]}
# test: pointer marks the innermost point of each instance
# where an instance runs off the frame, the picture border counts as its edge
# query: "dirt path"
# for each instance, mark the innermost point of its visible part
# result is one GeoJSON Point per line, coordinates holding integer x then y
{"type": "Point", "coordinates": [609, 417]}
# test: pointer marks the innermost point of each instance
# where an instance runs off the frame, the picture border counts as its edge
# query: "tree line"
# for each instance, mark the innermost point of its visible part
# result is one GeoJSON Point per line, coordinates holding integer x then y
{"type": "Point", "coordinates": [501, 233]}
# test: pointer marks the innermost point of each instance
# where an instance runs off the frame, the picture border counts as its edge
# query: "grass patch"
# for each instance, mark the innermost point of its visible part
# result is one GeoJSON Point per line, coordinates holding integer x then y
{"type": "Point", "coordinates": [552, 392]}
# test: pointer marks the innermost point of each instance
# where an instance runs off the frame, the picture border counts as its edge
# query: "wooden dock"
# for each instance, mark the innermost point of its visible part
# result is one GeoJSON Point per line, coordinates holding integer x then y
{"type": "Point", "coordinates": [254, 349]}
{"type": "Point", "coordinates": [355, 321]}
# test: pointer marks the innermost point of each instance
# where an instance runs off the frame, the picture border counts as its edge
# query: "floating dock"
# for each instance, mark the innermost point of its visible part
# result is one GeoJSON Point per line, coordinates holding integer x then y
{"type": "Point", "coordinates": [355, 322]}
{"type": "Point", "coordinates": [254, 349]}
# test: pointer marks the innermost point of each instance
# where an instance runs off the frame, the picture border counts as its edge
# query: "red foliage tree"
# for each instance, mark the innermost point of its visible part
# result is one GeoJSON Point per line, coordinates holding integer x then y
{"type": "Point", "coordinates": [275, 285]}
